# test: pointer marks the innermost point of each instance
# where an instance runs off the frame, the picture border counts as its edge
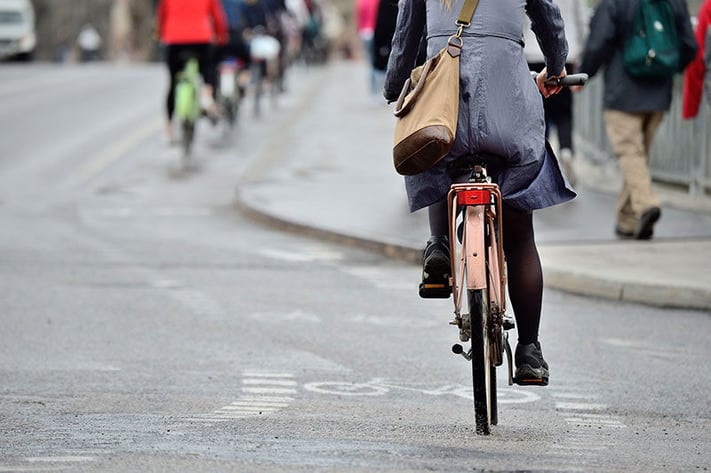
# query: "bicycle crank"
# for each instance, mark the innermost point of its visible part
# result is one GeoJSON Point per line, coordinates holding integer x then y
{"type": "Point", "coordinates": [509, 357]}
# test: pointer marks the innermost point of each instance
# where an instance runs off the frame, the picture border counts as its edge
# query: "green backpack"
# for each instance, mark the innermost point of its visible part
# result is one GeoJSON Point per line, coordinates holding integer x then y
{"type": "Point", "coordinates": [653, 49]}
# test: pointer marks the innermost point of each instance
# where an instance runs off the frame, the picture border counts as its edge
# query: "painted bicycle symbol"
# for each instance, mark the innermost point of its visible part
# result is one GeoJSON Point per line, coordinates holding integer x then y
{"type": "Point", "coordinates": [381, 387]}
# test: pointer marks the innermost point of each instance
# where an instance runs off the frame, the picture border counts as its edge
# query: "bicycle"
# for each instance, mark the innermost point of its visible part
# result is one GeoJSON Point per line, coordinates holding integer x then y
{"type": "Point", "coordinates": [264, 53]}
{"type": "Point", "coordinates": [478, 267]}
{"type": "Point", "coordinates": [230, 90]}
{"type": "Point", "coordinates": [187, 106]}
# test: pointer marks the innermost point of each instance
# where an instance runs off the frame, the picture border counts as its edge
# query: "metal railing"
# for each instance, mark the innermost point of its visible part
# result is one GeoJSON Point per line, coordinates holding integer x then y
{"type": "Point", "coordinates": [681, 151]}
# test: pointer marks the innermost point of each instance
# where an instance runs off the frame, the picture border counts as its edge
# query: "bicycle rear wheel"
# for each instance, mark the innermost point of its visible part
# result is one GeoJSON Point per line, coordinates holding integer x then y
{"type": "Point", "coordinates": [187, 136]}
{"type": "Point", "coordinates": [483, 371]}
{"type": "Point", "coordinates": [258, 84]}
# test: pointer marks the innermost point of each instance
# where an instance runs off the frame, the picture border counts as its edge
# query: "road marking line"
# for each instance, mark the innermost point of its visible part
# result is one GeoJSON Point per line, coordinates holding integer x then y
{"type": "Point", "coordinates": [580, 406]}
{"type": "Point", "coordinates": [215, 418]}
{"type": "Point", "coordinates": [568, 395]}
{"type": "Point", "coordinates": [286, 256]}
{"type": "Point", "coordinates": [115, 151]}
{"type": "Point", "coordinates": [60, 459]}
{"type": "Point", "coordinates": [204, 419]}
{"type": "Point", "coordinates": [296, 315]}
{"type": "Point", "coordinates": [248, 409]}
{"type": "Point", "coordinates": [270, 382]}
{"type": "Point", "coordinates": [597, 423]}
{"type": "Point", "coordinates": [592, 416]}
{"type": "Point", "coordinates": [268, 391]}
{"type": "Point", "coordinates": [260, 374]}
{"type": "Point", "coordinates": [255, 407]}
{"type": "Point", "coordinates": [15, 469]}
{"type": "Point", "coordinates": [262, 401]}
{"type": "Point", "coordinates": [265, 399]}
{"type": "Point", "coordinates": [581, 447]}
{"type": "Point", "coordinates": [378, 277]}
{"type": "Point", "coordinates": [257, 399]}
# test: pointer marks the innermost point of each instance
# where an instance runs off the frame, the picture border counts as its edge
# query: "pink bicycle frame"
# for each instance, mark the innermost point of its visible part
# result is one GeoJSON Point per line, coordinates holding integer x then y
{"type": "Point", "coordinates": [481, 202]}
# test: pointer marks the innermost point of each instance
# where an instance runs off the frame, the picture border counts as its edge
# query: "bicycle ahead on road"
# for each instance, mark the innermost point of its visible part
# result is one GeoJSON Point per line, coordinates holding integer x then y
{"type": "Point", "coordinates": [187, 106]}
{"type": "Point", "coordinates": [265, 53]}
{"type": "Point", "coordinates": [478, 269]}
{"type": "Point", "coordinates": [230, 90]}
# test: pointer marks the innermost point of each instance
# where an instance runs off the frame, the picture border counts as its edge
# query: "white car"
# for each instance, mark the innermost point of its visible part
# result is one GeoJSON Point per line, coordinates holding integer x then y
{"type": "Point", "coordinates": [18, 38]}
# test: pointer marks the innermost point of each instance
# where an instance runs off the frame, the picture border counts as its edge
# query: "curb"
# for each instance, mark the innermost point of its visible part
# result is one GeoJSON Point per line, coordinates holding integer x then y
{"type": "Point", "coordinates": [561, 272]}
{"type": "Point", "coordinates": [579, 283]}
{"type": "Point", "coordinates": [656, 295]}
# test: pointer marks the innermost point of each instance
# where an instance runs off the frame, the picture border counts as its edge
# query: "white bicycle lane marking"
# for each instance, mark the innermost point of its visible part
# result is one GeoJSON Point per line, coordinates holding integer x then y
{"type": "Point", "coordinates": [381, 387]}
{"type": "Point", "coordinates": [262, 393]}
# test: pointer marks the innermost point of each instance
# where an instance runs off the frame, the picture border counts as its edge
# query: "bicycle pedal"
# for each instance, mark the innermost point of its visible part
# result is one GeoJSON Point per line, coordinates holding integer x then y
{"type": "Point", "coordinates": [435, 290]}
{"type": "Point", "coordinates": [531, 381]}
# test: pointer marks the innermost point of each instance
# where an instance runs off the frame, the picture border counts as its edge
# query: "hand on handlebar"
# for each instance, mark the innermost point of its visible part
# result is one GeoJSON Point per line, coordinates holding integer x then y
{"type": "Point", "coordinates": [548, 89]}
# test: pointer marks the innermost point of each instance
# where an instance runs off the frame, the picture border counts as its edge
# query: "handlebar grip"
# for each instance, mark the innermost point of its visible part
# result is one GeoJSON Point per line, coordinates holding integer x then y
{"type": "Point", "coordinates": [569, 80]}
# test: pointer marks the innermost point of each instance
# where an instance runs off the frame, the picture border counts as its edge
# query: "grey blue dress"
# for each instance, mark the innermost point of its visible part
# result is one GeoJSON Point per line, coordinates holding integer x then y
{"type": "Point", "coordinates": [501, 108]}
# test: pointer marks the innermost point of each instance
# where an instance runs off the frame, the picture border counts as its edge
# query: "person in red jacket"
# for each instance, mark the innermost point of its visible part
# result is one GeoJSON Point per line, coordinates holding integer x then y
{"type": "Point", "coordinates": [697, 69]}
{"type": "Point", "coordinates": [190, 28]}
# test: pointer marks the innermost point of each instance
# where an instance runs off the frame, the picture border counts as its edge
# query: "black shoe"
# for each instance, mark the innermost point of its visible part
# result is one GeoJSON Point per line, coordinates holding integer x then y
{"type": "Point", "coordinates": [531, 368]}
{"type": "Point", "coordinates": [436, 269]}
{"type": "Point", "coordinates": [645, 227]}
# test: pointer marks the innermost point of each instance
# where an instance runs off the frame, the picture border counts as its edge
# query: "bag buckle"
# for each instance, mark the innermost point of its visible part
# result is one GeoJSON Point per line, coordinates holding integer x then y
{"type": "Point", "coordinates": [460, 27]}
{"type": "Point", "coordinates": [456, 38]}
{"type": "Point", "coordinates": [456, 41]}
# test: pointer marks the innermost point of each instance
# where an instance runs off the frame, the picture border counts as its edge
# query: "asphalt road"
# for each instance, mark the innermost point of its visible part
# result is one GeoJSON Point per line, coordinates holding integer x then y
{"type": "Point", "coordinates": [146, 325]}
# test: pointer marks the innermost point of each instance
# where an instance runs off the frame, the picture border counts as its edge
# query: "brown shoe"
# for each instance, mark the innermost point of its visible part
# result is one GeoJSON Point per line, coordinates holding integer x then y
{"type": "Point", "coordinates": [623, 234]}
{"type": "Point", "coordinates": [645, 226]}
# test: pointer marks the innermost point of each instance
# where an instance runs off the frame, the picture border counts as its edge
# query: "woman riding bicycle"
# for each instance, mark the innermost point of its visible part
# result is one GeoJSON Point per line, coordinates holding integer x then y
{"type": "Point", "coordinates": [501, 114]}
{"type": "Point", "coordinates": [190, 28]}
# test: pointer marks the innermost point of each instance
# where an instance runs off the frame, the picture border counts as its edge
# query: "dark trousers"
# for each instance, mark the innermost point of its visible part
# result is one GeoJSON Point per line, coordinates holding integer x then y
{"type": "Point", "coordinates": [176, 55]}
{"type": "Point", "coordinates": [559, 111]}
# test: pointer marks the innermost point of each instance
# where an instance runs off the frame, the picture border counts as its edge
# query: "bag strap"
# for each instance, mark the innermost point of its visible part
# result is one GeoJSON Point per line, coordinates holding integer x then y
{"type": "Point", "coordinates": [464, 20]}
{"type": "Point", "coordinates": [466, 14]}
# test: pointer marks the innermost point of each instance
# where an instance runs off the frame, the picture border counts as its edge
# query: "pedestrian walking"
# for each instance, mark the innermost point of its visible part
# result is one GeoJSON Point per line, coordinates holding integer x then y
{"type": "Point", "coordinates": [500, 113]}
{"type": "Point", "coordinates": [634, 105]}
{"type": "Point", "coordinates": [89, 42]}
{"type": "Point", "coordinates": [558, 108]}
{"type": "Point", "coordinates": [385, 22]}
{"type": "Point", "coordinates": [697, 79]}
{"type": "Point", "coordinates": [366, 14]}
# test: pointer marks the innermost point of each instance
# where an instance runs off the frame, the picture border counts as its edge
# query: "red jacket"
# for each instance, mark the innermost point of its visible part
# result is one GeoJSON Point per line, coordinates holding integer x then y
{"type": "Point", "coordinates": [191, 21]}
{"type": "Point", "coordinates": [694, 75]}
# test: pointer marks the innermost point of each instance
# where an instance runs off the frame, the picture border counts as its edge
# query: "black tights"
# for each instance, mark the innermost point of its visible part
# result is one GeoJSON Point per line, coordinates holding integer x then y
{"type": "Point", "coordinates": [523, 265]}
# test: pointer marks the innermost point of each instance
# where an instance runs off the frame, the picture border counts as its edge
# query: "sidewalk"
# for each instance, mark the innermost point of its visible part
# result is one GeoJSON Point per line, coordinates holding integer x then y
{"type": "Point", "coordinates": [329, 174]}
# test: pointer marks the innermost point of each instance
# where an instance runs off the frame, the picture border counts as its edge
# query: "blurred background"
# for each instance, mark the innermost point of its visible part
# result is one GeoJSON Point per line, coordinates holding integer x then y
{"type": "Point", "coordinates": [75, 31]}
{"type": "Point", "coordinates": [124, 28]}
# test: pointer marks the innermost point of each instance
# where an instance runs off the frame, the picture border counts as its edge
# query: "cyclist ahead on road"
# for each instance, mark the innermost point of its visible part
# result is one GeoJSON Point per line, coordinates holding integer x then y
{"type": "Point", "coordinates": [191, 28]}
{"type": "Point", "coordinates": [501, 113]}
{"type": "Point", "coordinates": [236, 46]}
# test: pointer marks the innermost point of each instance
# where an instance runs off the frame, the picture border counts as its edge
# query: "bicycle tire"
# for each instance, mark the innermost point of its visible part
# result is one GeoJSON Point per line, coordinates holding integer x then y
{"type": "Point", "coordinates": [229, 111]}
{"type": "Point", "coordinates": [187, 135]}
{"type": "Point", "coordinates": [482, 381]}
{"type": "Point", "coordinates": [258, 83]}
{"type": "Point", "coordinates": [494, 415]}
